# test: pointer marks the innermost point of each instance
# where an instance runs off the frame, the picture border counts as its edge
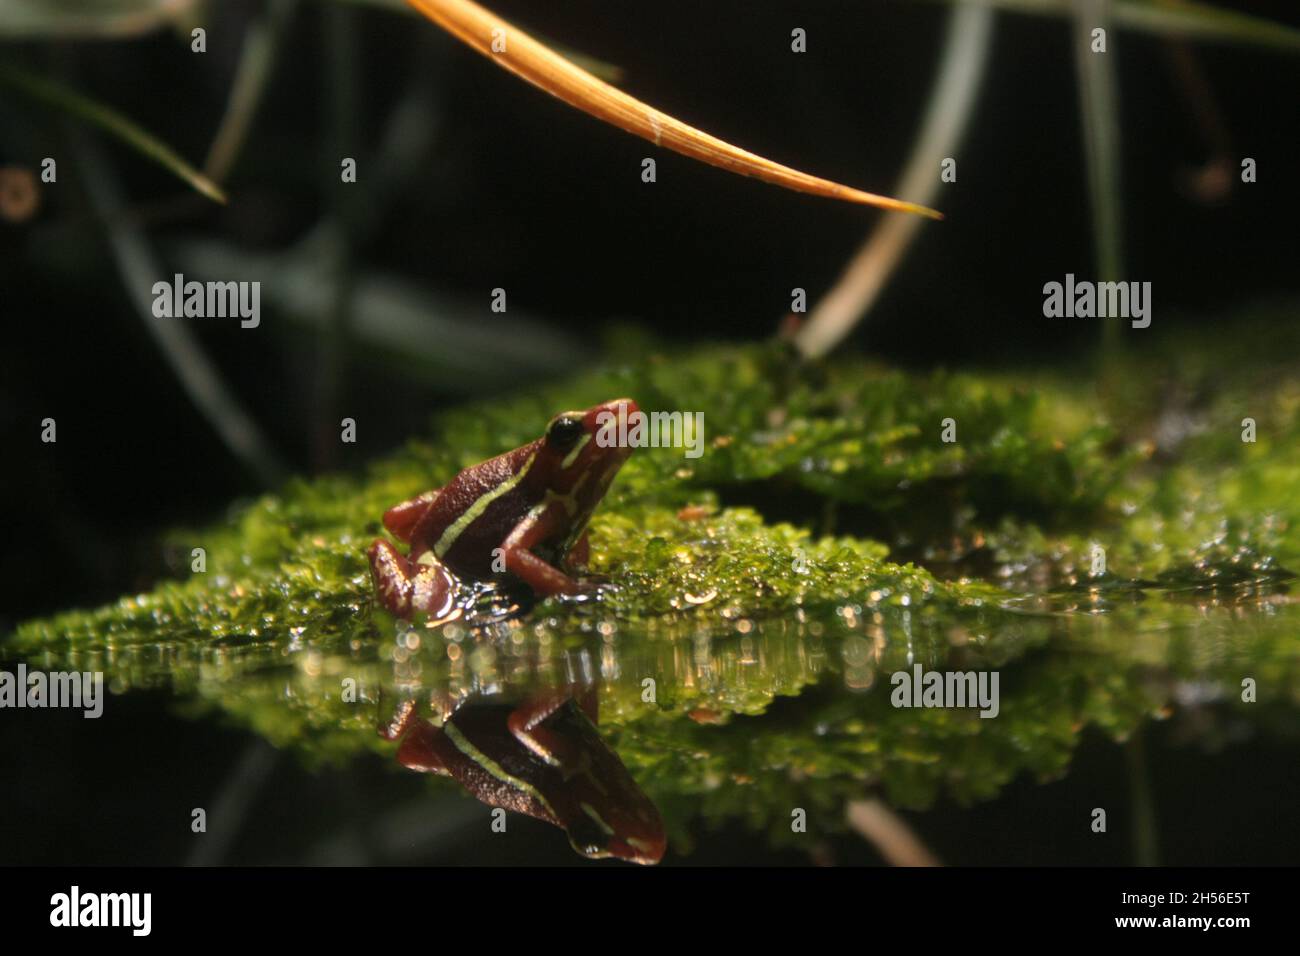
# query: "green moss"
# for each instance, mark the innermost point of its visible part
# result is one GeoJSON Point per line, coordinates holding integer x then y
{"type": "Point", "coordinates": [771, 615]}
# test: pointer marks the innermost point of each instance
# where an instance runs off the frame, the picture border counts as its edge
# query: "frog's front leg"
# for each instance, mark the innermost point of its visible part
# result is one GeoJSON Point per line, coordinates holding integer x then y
{"type": "Point", "coordinates": [535, 528]}
{"type": "Point", "coordinates": [580, 553]}
{"type": "Point", "coordinates": [527, 723]}
{"type": "Point", "coordinates": [405, 587]}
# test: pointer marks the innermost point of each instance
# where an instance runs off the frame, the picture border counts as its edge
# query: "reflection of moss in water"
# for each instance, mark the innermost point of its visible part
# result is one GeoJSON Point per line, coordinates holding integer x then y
{"type": "Point", "coordinates": [777, 643]}
{"type": "Point", "coordinates": [1058, 674]}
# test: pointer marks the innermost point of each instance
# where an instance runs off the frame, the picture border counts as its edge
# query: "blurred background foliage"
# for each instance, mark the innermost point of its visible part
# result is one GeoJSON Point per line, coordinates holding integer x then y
{"type": "Point", "coordinates": [376, 307]}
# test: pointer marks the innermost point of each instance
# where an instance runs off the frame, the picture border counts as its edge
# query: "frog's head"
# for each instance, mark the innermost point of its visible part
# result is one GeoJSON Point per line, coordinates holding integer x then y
{"type": "Point", "coordinates": [598, 803]}
{"type": "Point", "coordinates": [581, 452]}
{"type": "Point", "coordinates": [627, 829]}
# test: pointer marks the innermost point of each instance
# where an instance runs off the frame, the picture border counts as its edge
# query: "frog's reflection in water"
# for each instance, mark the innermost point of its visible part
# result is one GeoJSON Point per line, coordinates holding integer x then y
{"type": "Point", "coordinates": [535, 752]}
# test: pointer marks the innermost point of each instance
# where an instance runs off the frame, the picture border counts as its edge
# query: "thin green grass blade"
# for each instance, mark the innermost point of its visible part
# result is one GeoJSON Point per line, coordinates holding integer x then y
{"type": "Point", "coordinates": [63, 98]}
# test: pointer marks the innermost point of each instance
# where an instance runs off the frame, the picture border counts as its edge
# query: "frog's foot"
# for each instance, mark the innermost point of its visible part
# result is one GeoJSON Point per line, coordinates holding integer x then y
{"type": "Point", "coordinates": [575, 565]}
{"type": "Point", "coordinates": [591, 584]}
{"type": "Point", "coordinates": [403, 719]}
{"type": "Point", "coordinates": [406, 587]}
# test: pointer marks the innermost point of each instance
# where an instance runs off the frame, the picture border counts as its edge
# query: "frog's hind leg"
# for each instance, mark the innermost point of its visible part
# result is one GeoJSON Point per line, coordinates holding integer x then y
{"type": "Point", "coordinates": [419, 740]}
{"type": "Point", "coordinates": [419, 750]}
{"type": "Point", "coordinates": [406, 587]}
{"type": "Point", "coordinates": [543, 578]}
{"type": "Point", "coordinates": [400, 520]}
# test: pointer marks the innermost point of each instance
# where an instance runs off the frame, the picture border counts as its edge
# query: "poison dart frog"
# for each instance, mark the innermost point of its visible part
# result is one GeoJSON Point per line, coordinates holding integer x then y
{"type": "Point", "coordinates": [523, 513]}
{"type": "Point", "coordinates": [544, 758]}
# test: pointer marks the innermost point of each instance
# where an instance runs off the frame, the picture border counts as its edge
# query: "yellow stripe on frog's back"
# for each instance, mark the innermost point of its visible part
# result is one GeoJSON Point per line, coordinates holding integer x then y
{"type": "Point", "coordinates": [462, 743]}
{"type": "Point", "coordinates": [474, 511]}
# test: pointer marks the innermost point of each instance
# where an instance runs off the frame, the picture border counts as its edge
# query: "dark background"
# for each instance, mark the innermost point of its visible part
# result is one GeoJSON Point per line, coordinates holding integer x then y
{"type": "Point", "coordinates": [518, 190]}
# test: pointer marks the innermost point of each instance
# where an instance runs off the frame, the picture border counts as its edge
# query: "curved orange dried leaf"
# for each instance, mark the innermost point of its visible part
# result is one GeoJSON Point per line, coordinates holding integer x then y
{"type": "Point", "coordinates": [544, 68]}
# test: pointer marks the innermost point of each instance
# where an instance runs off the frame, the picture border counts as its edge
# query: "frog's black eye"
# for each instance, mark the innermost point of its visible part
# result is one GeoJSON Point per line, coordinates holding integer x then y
{"type": "Point", "coordinates": [564, 433]}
